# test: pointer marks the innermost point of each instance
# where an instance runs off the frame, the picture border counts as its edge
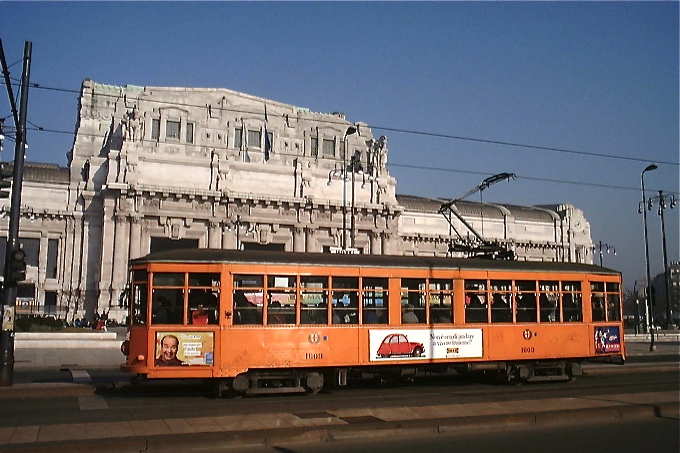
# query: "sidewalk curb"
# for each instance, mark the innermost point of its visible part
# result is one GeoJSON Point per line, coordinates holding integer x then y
{"type": "Point", "coordinates": [214, 441]}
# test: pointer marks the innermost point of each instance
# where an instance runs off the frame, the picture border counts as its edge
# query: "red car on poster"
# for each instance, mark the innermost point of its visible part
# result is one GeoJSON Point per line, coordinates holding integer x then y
{"type": "Point", "coordinates": [397, 344]}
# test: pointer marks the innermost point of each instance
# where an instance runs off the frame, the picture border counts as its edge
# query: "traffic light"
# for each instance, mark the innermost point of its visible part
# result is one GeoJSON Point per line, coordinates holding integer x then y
{"type": "Point", "coordinates": [5, 181]}
{"type": "Point", "coordinates": [18, 265]}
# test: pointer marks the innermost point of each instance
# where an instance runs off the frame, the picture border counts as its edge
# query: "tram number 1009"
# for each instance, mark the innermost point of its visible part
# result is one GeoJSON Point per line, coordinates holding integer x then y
{"type": "Point", "coordinates": [313, 356]}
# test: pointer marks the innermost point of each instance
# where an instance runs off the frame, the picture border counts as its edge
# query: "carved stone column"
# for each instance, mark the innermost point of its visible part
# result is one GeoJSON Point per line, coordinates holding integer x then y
{"type": "Point", "coordinates": [374, 243]}
{"type": "Point", "coordinates": [121, 247]}
{"type": "Point", "coordinates": [386, 243]}
{"type": "Point", "coordinates": [229, 236]}
{"type": "Point", "coordinates": [298, 239]}
{"type": "Point", "coordinates": [107, 255]}
{"type": "Point", "coordinates": [135, 237]}
{"type": "Point", "coordinates": [311, 242]}
{"type": "Point", "coordinates": [214, 235]}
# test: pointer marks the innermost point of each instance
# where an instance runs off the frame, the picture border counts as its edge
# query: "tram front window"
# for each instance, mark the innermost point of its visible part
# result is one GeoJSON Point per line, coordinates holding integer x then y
{"type": "Point", "coordinates": [168, 306]}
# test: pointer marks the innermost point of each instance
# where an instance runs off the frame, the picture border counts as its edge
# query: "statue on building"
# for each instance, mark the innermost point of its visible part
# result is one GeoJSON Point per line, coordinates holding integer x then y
{"type": "Point", "coordinates": [302, 179]}
{"type": "Point", "coordinates": [214, 171]}
{"type": "Point", "coordinates": [377, 151]}
{"type": "Point", "coordinates": [85, 172]}
{"type": "Point", "coordinates": [132, 125]}
{"type": "Point", "coordinates": [381, 153]}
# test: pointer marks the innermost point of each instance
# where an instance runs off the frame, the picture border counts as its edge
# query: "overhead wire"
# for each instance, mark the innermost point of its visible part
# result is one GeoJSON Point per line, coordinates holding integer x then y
{"type": "Point", "coordinates": [390, 129]}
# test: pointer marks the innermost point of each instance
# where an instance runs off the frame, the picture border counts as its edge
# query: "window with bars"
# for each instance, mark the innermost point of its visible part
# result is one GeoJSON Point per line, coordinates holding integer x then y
{"type": "Point", "coordinates": [238, 138]}
{"type": "Point", "coordinates": [329, 147]}
{"type": "Point", "coordinates": [190, 133]}
{"type": "Point", "coordinates": [254, 138]}
{"type": "Point", "coordinates": [172, 129]}
{"type": "Point", "coordinates": [155, 129]}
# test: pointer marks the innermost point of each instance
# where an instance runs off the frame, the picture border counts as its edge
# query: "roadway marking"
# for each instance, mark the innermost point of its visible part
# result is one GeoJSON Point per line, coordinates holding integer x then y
{"type": "Point", "coordinates": [81, 377]}
{"type": "Point", "coordinates": [88, 403]}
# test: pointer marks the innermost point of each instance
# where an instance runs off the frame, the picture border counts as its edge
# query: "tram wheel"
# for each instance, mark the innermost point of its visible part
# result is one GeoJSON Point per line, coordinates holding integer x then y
{"type": "Point", "coordinates": [313, 382]}
{"type": "Point", "coordinates": [241, 383]}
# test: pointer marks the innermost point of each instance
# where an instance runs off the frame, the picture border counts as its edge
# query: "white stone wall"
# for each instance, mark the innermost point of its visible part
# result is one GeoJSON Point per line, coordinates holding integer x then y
{"type": "Point", "coordinates": [129, 185]}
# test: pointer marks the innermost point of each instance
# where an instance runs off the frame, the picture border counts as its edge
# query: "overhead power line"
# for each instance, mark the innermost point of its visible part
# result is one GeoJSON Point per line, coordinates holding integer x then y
{"type": "Point", "coordinates": [397, 130]}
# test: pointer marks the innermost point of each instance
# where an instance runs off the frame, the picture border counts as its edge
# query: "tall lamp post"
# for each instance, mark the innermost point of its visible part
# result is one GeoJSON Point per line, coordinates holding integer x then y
{"type": "Point", "coordinates": [650, 312]}
{"type": "Point", "coordinates": [662, 207]}
{"type": "Point", "coordinates": [350, 131]}
{"type": "Point", "coordinates": [355, 166]}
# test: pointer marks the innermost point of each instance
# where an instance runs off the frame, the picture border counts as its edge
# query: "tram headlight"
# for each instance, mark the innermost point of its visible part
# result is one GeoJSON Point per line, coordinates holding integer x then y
{"type": "Point", "coordinates": [125, 348]}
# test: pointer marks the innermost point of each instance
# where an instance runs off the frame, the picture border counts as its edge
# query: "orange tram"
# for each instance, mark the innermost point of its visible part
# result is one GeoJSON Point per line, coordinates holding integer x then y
{"type": "Point", "coordinates": [266, 322]}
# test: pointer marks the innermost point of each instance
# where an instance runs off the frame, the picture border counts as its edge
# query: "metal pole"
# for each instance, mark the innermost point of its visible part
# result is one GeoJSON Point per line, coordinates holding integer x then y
{"type": "Point", "coordinates": [350, 130]}
{"type": "Point", "coordinates": [600, 245]}
{"type": "Point", "coordinates": [650, 312]}
{"type": "Point", "coordinates": [10, 287]}
{"type": "Point", "coordinates": [351, 229]}
{"type": "Point", "coordinates": [344, 194]}
{"type": "Point", "coordinates": [669, 314]}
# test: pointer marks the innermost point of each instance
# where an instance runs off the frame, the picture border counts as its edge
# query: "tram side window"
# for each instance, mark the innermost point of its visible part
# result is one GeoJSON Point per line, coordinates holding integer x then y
{"type": "Point", "coordinates": [138, 297]}
{"type": "Point", "coordinates": [313, 300]}
{"type": "Point", "coordinates": [613, 302]}
{"type": "Point", "coordinates": [374, 291]}
{"type": "Point", "coordinates": [526, 301]}
{"type": "Point", "coordinates": [167, 303]}
{"type": "Point", "coordinates": [413, 302]}
{"type": "Point", "coordinates": [345, 300]}
{"type": "Point", "coordinates": [248, 296]}
{"type": "Point", "coordinates": [204, 295]}
{"type": "Point", "coordinates": [281, 299]}
{"type": "Point", "coordinates": [549, 301]}
{"type": "Point", "coordinates": [501, 301]}
{"type": "Point", "coordinates": [168, 306]}
{"type": "Point", "coordinates": [476, 307]}
{"type": "Point", "coordinates": [597, 300]}
{"type": "Point", "coordinates": [572, 302]}
{"type": "Point", "coordinates": [441, 301]}
{"type": "Point", "coordinates": [139, 303]}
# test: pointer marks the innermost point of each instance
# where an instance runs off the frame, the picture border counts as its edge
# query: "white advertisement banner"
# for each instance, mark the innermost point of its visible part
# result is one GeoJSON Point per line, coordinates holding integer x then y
{"type": "Point", "coordinates": [412, 344]}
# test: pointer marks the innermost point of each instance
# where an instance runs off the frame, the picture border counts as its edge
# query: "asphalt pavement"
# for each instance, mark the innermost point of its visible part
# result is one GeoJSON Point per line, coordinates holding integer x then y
{"type": "Point", "coordinates": [241, 431]}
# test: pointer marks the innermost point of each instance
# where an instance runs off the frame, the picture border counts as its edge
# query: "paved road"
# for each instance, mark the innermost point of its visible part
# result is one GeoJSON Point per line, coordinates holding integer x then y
{"type": "Point", "coordinates": [56, 407]}
{"type": "Point", "coordinates": [174, 417]}
{"type": "Point", "coordinates": [654, 434]}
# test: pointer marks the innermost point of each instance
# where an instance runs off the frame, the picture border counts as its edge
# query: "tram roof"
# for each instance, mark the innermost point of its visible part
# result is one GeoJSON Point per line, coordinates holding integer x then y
{"type": "Point", "coordinates": [218, 256]}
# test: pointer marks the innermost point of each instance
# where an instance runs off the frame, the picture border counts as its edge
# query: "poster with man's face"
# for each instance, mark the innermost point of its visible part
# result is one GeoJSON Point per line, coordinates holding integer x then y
{"type": "Point", "coordinates": [184, 348]}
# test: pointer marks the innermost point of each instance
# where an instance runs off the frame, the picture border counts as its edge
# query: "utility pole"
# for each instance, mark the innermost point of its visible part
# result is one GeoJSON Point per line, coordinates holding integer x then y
{"type": "Point", "coordinates": [13, 252]}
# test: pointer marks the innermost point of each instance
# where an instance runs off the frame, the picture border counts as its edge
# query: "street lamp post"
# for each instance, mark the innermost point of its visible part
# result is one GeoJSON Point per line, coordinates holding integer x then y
{"type": "Point", "coordinates": [350, 131]}
{"type": "Point", "coordinates": [606, 247]}
{"type": "Point", "coordinates": [662, 208]}
{"type": "Point", "coordinates": [355, 166]}
{"type": "Point", "coordinates": [650, 313]}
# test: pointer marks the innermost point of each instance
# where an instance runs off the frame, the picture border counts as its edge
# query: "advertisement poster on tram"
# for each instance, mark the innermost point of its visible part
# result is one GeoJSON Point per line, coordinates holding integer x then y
{"type": "Point", "coordinates": [184, 348]}
{"type": "Point", "coordinates": [607, 339]}
{"type": "Point", "coordinates": [411, 344]}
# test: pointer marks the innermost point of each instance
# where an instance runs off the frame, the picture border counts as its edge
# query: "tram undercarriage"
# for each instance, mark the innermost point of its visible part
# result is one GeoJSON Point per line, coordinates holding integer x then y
{"type": "Point", "coordinates": [312, 381]}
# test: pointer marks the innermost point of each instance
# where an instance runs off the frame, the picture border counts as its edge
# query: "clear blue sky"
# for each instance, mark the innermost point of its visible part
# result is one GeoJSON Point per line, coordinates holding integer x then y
{"type": "Point", "coordinates": [595, 78]}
